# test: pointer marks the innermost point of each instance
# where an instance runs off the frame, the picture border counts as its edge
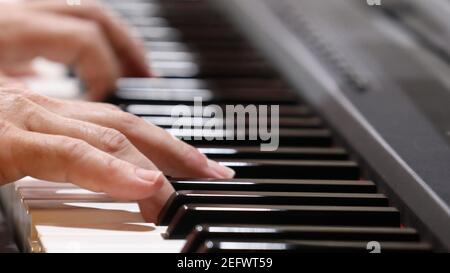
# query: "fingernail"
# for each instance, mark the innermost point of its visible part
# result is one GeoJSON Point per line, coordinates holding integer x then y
{"type": "Point", "coordinates": [223, 171]}
{"type": "Point", "coordinates": [148, 175]}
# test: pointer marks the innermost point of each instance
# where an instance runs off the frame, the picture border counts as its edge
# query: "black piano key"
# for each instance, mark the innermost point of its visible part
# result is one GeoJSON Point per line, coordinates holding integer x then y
{"type": "Point", "coordinates": [188, 216]}
{"type": "Point", "coordinates": [238, 95]}
{"type": "Point", "coordinates": [309, 246]}
{"type": "Point", "coordinates": [217, 84]}
{"type": "Point", "coordinates": [205, 56]}
{"type": "Point", "coordinates": [200, 122]}
{"type": "Point", "coordinates": [205, 29]}
{"type": "Point", "coordinates": [197, 45]}
{"type": "Point", "coordinates": [287, 137]}
{"type": "Point", "coordinates": [275, 185]}
{"type": "Point", "coordinates": [137, 91]}
{"type": "Point", "coordinates": [186, 33]}
{"type": "Point", "coordinates": [150, 109]}
{"type": "Point", "coordinates": [181, 198]}
{"type": "Point", "coordinates": [146, 21]}
{"type": "Point", "coordinates": [283, 153]}
{"type": "Point", "coordinates": [291, 169]}
{"type": "Point", "coordinates": [202, 233]}
{"type": "Point", "coordinates": [168, 10]}
{"type": "Point", "coordinates": [211, 70]}
{"type": "Point", "coordinates": [189, 96]}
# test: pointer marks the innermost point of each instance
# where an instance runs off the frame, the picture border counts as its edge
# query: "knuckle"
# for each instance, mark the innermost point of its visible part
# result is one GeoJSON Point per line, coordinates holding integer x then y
{"type": "Point", "coordinates": [15, 106]}
{"type": "Point", "coordinates": [113, 140]}
{"type": "Point", "coordinates": [18, 99]}
{"type": "Point", "coordinates": [40, 99]}
{"type": "Point", "coordinates": [113, 165]}
{"type": "Point", "coordinates": [73, 149]}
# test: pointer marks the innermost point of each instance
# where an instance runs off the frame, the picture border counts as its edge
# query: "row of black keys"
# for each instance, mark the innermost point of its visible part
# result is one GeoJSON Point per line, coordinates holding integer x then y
{"type": "Point", "coordinates": [189, 39]}
{"type": "Point", "coordinates": [340, 213]}
{"type": "Point", "coordinates": [306, 147]}
{"type": "Point", "coordinates": [284, 216]}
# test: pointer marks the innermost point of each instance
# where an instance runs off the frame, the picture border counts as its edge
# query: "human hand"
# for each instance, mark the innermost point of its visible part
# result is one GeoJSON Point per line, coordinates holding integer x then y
{"type": "Point", "coordinates": [92, 39]}
{"type": "Point", "coordinates": [95, 146]}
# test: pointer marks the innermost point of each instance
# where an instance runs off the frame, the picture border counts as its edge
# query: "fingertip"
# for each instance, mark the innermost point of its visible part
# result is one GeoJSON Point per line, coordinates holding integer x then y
{"type": "Point", "coordinates": [208, 167]}
{"type": "Point", "coordinates": [220, 170]}
{"type": "Point", "coordinates": [154, 178]}
{"type": "Point", "coordinates": [152, 207]}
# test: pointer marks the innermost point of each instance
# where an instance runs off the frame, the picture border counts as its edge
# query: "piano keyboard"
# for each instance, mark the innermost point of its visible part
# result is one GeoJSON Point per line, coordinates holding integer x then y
{"type": "Point", "coordinates": [307, 196]}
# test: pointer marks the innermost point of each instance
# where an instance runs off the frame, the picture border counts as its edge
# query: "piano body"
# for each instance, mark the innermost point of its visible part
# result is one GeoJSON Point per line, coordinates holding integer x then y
{"type": "Point", "coordinates": [364, 156]}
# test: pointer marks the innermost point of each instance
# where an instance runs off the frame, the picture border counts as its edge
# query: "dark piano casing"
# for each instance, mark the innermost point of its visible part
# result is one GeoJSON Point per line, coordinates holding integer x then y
{"type": "Point", "coordinates": [384, 92]}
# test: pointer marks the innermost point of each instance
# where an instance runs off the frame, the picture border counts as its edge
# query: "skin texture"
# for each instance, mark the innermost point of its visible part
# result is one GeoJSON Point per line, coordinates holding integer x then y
{"type": "Point", "coordinates": [93, 145]}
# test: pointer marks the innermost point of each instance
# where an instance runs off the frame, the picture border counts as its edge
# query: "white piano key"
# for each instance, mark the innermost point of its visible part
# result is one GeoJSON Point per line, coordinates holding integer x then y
{"type": "Point", "coordinates": [70, 213]}
{"type": "Point", "coordinates": [65, 88]}
{"type": "Point", "coordinates": [29, 182]}
{"type": "Point", "coordinates": [55, 193]}
{"type": "Point", "coordinates": [126, 237]}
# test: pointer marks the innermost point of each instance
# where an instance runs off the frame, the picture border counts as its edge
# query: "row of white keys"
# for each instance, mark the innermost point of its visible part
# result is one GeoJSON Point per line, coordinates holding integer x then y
{"type": "Point", "coordinates": [64, 218]}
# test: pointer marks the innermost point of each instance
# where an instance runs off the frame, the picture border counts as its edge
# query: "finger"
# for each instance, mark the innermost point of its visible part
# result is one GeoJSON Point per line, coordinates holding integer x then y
{"type": "Point", "coordinates": [63, 39]}
{"type": "Point", "coordinates": [18, 70]}
{"type": "Point", "coordinates": [64, 159]}
{"type": "Point", "coordinates": [170, 154]}
{"type": "Point", "coordinates": [129, 50]}
{"type": "Point", "coordinates": [107, 140]}
{"type": "Point", "coordinates": [173, 156]}
{"type": "Point", "coordinates": [7, 82]}
{"type": "Point", "coordinates": [35, 118]}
